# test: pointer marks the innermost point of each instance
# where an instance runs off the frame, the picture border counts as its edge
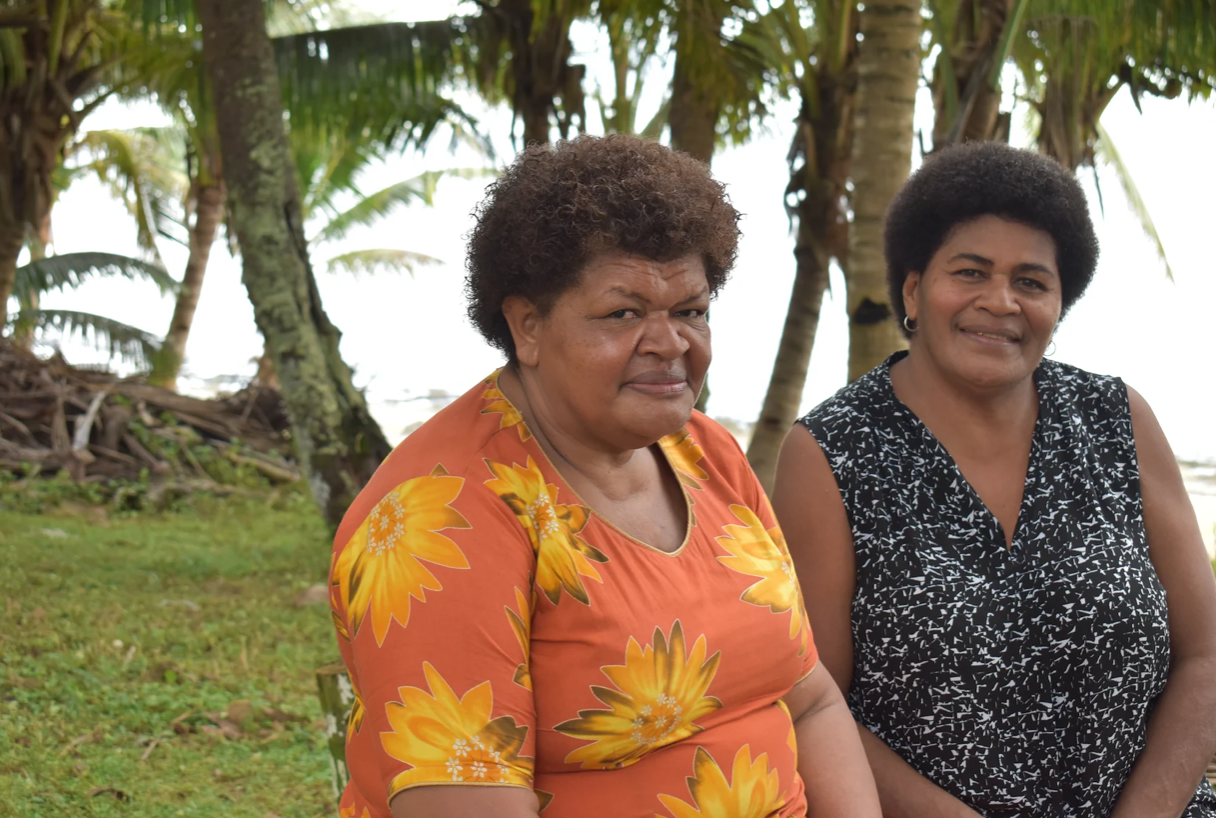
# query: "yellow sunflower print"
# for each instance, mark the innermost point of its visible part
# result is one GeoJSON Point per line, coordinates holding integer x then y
{"type": "Point", "coordinates": [792, 738]}
{"type": "Point", "coordinates": [521, 625]}
{"type": "Point", "coordinates": [444, 738]}
{"type": "Point", "coordinates": [685, 456]}
{"type": "Point", "coordinates": [357, 711]}
{"type": "Point", "coordinates": [349, 812]}
{"type": "Point", "coordinates": [752, 791]}
{"type": "Point", "coordinates": [659, 693]}
{"type": "Point", "coordinates": [764, 555]}
{"type": "Point", "coordinates": [380, 568]}
{"type": "Point", "coordinates": [562, 557]}
{"type": "Point", "coordinates": [497, 402]}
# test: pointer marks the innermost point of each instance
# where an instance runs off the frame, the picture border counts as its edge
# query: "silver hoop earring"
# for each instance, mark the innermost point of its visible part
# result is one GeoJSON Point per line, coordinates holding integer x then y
{"type": "Point", "coordinates": [1051, 349]}
{"type": "Point", "coordinates": [908, 325]}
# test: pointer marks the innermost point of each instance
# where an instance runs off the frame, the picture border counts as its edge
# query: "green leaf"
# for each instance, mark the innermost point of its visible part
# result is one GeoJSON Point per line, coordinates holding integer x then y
{"type": "Point", "coordinates": [1106, 151]}
{"type": "Point", "coordinates": [370, 262]}
{"type": "Point", "coordinates": [71, 269]}
{"type": "Point", "coordinates": [376, 206]}
{"type": "Point", "coordinates": [123, 341]}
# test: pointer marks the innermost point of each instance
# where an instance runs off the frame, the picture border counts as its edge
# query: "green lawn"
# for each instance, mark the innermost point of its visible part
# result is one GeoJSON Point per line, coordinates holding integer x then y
{"type": "Point", "coordinates": [163, 655]}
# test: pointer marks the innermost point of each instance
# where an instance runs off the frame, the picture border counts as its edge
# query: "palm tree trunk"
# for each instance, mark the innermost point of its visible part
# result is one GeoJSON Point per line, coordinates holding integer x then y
{"type": "Point", "coordinates": [338, 442]}
{"type": "Point", "coordinates": [23, 332]}
{"type": "Point", "coordinates": [888, 71]}
{"type": "Point", "coordinates": [693, 115]}
{"type": "Point", "coordinates": [208, 214]}
{"type": "Point", "coordinates": [784, 396]}
{"type": "Point", "coordinates": [12, 239]}
{"type": "Point", "coordinates": [966, 105]}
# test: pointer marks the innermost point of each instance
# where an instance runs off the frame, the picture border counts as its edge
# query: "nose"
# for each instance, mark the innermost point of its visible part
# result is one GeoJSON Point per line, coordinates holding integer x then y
{"type": "Point", "coordinates": [998, 297]}
{"type": "Point", "coordinates": [661, 336]}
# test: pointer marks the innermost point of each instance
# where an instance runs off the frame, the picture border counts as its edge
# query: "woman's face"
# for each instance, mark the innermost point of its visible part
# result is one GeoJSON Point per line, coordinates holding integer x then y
{"type": "Point", "coordinates": [988, 304]}
{"type": "Point", "coordinates": [622, 355]}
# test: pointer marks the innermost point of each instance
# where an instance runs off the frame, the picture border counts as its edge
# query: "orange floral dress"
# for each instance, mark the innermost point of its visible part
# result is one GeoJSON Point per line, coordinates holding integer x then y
{"type": "Point", "coordinates": [499, 632]}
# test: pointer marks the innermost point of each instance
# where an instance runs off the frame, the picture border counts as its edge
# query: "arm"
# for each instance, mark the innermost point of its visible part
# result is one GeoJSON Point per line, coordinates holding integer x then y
{"type": "Point", "coordinates": [807, 502]}
{"type": "Point", "coordinates": [1182, 728]}
{"type": "Point", "coordinates": [466, 802]}
{"type": "Point", "coordinates": [831, 762]}
{"type": "Point", "coordinates": [431, 599]}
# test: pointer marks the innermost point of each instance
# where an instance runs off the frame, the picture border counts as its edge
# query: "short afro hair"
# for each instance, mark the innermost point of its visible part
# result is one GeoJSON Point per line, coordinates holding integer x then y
{"type": "Point", "coordinates": [556, 207]}
{"type": "Point", "coordinates": [976, 179]}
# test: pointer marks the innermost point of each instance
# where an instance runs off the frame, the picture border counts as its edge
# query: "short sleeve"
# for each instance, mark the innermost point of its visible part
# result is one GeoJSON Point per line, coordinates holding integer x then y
{"type": "Point", "coordinates": [432, 602]}
{"type": "Point", "coordinates": [748, 485]}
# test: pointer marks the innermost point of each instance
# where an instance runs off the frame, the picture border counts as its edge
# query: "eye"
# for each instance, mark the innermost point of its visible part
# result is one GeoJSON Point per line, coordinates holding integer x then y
{"type": "Point", "coordinates": [1032, 283]}
{"type": "Point", "coordinates": [691, 313]}
{"type": "Point", "coordinates": [621, 314]}
{"type": "Point", "coordinates": [968, 272]}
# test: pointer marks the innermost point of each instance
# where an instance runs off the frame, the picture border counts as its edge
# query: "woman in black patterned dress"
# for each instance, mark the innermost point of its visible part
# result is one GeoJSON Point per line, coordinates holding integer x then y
{"type": "Point", "coordinates": [1001, 565]}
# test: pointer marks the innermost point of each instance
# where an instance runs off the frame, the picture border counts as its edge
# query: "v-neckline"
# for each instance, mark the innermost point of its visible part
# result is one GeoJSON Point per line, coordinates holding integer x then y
{"type": "Point", "coordinates": [1032, 470]}
{"type": "Point", "coordinates": [664, 461]}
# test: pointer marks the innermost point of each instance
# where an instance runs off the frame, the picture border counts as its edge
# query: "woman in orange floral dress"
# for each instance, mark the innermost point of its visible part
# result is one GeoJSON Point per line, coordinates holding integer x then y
{"type": "Point", "coordinates": [566, 593]}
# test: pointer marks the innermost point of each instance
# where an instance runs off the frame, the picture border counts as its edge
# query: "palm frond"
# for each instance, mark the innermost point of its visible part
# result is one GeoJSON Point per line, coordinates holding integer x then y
{"type": "Point", "coordinates": [143, 169]}
{"type": "Point", "coordinates": [71, 269]}
{"type": "Point", "coordinates": [1108, 153]}
{"type": "Point", "coordinates": [380, 204]}
{"type": "Point", "coordinates": [384, 79]}
{"type": "Point", "coordinates": [123, 341]}
{"type": "Point", "coordinates": [370, 262]}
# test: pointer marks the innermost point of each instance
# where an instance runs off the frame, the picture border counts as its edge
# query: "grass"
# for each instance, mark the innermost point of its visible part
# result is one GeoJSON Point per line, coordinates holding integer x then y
{"type": "Point", "coordinates": [163, 656]}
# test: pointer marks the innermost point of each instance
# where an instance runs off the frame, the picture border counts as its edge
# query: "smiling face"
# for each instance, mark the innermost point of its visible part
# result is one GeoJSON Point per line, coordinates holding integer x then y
{"type": "Point", "coordinates": [621, 357]}
{"type": "Point", "coordinates": [988, 304]}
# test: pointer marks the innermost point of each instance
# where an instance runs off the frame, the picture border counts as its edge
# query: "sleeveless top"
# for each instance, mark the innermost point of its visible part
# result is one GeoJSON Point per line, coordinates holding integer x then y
{"type": "Point", "coordinates": [1020, 680]}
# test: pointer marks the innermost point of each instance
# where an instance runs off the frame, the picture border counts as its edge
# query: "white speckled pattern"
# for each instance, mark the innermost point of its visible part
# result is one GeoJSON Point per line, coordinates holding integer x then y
{"type": "Point", "coordinates": [1020, 680]}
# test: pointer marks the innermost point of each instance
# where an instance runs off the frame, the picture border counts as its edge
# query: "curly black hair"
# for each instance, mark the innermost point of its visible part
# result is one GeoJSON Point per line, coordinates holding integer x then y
{"type": "Point", "coordinates": [558, 206]}
{"type": "Point", "coordinates": [976, 179]}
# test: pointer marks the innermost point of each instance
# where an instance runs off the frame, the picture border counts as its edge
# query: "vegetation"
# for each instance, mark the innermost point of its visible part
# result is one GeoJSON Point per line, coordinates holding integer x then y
{"type": "Point", "coordinates": [161, 664]}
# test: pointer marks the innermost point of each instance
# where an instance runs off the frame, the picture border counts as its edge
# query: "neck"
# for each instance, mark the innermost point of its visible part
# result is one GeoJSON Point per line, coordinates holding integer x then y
{"type": "Point", "coordinates": [949, 402]}
{"type": "Point", "coordinates": [570, 446]}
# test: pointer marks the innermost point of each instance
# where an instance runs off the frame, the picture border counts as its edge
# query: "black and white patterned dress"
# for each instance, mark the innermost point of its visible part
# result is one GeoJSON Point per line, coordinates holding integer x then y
{"type": "Point", "coordinates": [1018, 679]}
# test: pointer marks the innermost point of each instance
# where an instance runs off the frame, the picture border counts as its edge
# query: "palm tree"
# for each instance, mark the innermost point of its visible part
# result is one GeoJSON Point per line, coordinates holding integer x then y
{"type": "Point", "coordinates": [888, 68]}
{"type": "Point", "coordinates": [338, 442]}
{"type": "Point", "coordinates": [70, 270]}
{"type": "Point", "coordinates": [60, 61]}
{"type": "Point", "coordinates": [820, 62]}
{"type": "Point", "coordinates": [975, 37]}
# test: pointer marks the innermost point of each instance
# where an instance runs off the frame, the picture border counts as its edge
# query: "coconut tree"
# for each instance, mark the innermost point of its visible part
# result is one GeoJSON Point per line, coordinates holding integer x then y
{"type": "Point", "coordinates": [58, 62]}
{"type": "Point", "coordinates": [338, 442]}
{"type": "Point", "coordinates": [888, 69]}
{"type": "Point", "coordinates": [819, 62]}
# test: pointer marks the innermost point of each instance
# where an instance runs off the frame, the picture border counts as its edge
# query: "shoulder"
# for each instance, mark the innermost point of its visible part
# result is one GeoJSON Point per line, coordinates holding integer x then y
{"type": "Point", "coordinates": [843, 419]}
{"type": "Point", "coordinates": [451, 445]}
{"type": "Point", "coordinates": [1098, 404]}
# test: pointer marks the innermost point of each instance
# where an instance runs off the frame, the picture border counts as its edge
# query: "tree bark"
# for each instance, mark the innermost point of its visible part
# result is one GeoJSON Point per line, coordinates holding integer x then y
{"type": "Point", "coordinates": [208, 214]}
{"type": "Point", "coordinates": [784, 395]}
{"type": "Point", "coordinates": [824, 144]}
{"type": "Point", "coordinates": [23, 332]}
{"type": "Point", "coordinates": [12, 239]}
{"type": "Point", "coordinates": [693, 116]}
{"type": "Point", "coordinates": [338, 442]}
{"type": "Point", "coordinates": [978, 27]}
{"type": "Point", "coordinates": [888, 71]}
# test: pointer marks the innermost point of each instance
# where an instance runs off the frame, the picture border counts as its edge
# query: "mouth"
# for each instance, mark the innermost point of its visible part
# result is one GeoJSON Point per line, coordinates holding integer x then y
{"type": "Point", "coordinates": [659, 384]}
{"type": "Point", "coordinates": [994, 337]}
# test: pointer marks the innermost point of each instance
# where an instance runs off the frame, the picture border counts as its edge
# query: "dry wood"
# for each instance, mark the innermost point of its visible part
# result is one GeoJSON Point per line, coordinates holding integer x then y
{"type": "Point", "coordinates": [98, 426]}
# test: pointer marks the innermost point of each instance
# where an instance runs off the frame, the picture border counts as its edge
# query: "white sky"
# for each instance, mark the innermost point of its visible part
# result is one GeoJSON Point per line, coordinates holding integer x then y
{"type": "Point", "coordinates": [408, 336]}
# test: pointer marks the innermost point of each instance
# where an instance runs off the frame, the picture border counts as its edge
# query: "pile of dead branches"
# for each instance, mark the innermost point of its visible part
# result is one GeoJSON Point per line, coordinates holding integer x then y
{"type": "Point", "coordinates": [97, 427]}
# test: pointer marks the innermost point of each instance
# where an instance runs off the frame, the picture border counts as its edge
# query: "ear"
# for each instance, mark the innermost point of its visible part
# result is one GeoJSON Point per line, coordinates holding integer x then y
{"type": "Point", "coordinates": [524, 319]}
{"type": "Point", "coordinates": [911, 287]}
